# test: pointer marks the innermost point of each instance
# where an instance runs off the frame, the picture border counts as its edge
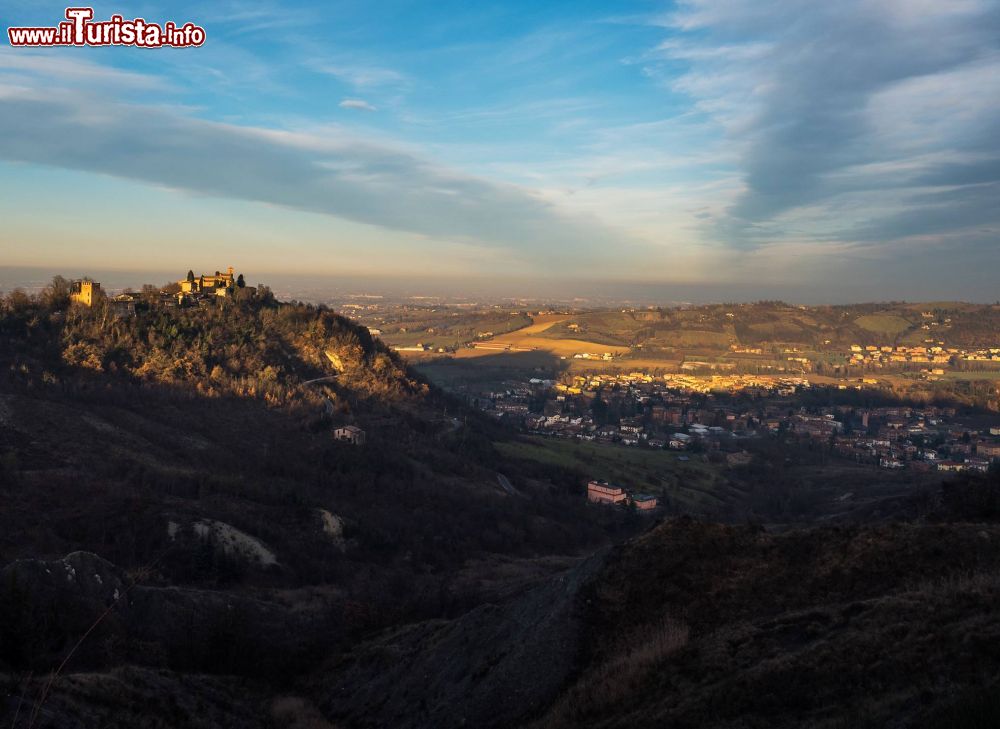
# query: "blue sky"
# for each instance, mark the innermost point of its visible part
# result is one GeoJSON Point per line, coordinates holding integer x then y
{"type": "Point", "coordinates": [852, 148]}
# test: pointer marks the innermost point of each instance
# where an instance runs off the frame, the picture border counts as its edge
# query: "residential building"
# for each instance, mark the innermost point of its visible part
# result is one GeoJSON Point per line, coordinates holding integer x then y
{"type": "Point", "coordinates": [601, 492]}
{"type": "Point", "coordinates": [644, 502]}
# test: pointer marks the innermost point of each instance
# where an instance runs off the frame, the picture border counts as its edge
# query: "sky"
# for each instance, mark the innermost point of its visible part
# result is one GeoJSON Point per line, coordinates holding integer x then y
{"type": "Point", "coordinates": [841, 151]}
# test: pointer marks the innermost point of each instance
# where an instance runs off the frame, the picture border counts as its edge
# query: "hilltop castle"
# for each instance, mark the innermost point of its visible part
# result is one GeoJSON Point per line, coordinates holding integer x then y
{"type": "Point", "coordinates": [85, 292]}
{"type": "Point", "coordinates": [221, 284]}
{"type": "Point", "coordinates": [191, 291]}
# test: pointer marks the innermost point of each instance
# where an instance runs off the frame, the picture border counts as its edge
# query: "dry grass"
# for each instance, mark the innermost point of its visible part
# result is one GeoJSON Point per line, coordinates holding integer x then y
{"type": "Point", "coordinates": [542, 322]}
{"type": "Point", "coordinates": [618, 678]}
{"type": "Point", "coordinates": [980, 585]}
{"type": "Point", "coordinates": [295, 712]}
{"type": "Point", "coordinates": [557, 347]}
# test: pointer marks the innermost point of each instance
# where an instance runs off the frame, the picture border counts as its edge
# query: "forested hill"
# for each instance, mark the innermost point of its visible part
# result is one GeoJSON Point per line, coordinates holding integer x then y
{"type": "Point", "coordinates": [254, 348]}
{"type": "Point", "coordinates": [248, 392]}
{"type": "Point", "coordinates": [192, 449]}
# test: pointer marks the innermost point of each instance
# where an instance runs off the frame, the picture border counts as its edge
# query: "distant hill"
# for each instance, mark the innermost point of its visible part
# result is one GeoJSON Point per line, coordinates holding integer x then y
{"type": "Point", "coordinates": [719, 325]}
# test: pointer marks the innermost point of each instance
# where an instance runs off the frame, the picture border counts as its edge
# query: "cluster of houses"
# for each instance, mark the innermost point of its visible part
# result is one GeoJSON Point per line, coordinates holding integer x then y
{"type": "Point", "coordinates": [922, 439]}
{"type": "Point", "coordinates": [604, 356]}
{"type": "Point", "coordinates": [883, 356]}
{"type": "Point", "coordinates": [643, 410]}
{"type": "Point", "coordinates": [602, 492]}
{"type": "Point", "coordinates": [749, 384]}
{"type": "Point", "coordinates": [655, 411]}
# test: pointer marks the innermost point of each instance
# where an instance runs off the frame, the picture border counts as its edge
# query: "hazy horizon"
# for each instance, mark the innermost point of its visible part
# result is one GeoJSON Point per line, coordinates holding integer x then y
{"type": "Point", "coordinates": [319, 288]}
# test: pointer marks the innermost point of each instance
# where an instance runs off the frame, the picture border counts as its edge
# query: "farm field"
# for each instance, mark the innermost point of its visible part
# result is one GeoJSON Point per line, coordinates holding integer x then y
{"type": "Point", "coordinates": [532, 337]}
{"type": "Point", "coordinates": [541, 323]}
{"type": "Point", "coordinates": [971, 376]}
{"type": "Point", "coordinates": [823, 333]}
{"type": "Point", "coordinates": [559, 347]}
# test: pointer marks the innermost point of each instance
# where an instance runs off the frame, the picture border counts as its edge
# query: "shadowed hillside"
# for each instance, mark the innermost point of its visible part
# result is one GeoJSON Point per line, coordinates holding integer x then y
{"type": "Point", "coordinates": [696, 625]}
{"type": "Point", "coordinates": [179, 521]}
{"type": "Point", "coordinates": [700, 625]}
{"type": "Point", "coordinates": [158, 468]}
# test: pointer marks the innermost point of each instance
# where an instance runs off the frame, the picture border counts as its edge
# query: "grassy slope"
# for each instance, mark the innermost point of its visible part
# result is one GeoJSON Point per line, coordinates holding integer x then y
{"type": "Point", "coordinates": [692, 485]}
{"type": "Point", "coordinates": [885, 324]}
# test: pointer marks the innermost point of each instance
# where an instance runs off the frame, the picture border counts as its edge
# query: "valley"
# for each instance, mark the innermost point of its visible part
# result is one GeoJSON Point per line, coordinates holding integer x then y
{"type": "Point", "coordinates": [263, 509]}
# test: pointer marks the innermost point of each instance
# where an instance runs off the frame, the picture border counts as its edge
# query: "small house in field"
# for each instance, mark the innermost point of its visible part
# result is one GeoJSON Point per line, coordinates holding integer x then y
{"type": "Point", "coordinates": [349, 434]}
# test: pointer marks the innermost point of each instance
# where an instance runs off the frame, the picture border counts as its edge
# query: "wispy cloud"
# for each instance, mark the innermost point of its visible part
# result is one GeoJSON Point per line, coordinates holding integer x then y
{"type": "Point", "coordinates": [41, 66]}
{"type": "Point", "coordinates": [329, 171]}
{"type": "Point", "coordinates": [823, 104]}
{"type": "Point", "coordinates": [364, 77]}
{"type": "Point", "coordinates": [359, 104]}
{"type": "Point", "coordinates": [254, 17]}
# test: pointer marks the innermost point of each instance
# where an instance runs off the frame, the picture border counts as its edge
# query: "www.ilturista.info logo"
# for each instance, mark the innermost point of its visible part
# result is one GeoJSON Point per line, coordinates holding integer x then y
{"type": "Point", "coordinates": [79, 30]}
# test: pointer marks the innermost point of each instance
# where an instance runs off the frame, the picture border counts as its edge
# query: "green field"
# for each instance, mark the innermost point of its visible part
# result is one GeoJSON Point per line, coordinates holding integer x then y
{"type": "Point", "coordinates": [780, 330]}
{"type": "Point", "coordinates": [691, 338]}
{"type": "Point", "coordinates": [410, 339]}
{"type": "Point", "coordinates": [694, 485]}
{"type": "Point", "coordinates": [883, 324]}
{"type": "Point", "coordinates": [972, 376]}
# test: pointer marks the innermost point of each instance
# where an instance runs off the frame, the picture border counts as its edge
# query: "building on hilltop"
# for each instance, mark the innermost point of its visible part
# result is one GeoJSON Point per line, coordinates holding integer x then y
{"type": "Point", "coordinates": [220, 284]}
{"type": "Point", "coordinates": [85, 292]}
{"type": "Point", "coordinates": [124, 304]}
{"type": "Point", "coordinates": [201, 290]}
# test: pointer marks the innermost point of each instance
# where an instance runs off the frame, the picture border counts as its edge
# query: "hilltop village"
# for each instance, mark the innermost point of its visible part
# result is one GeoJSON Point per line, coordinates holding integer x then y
{"type": "Point", "coordinates": [203, 290]}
